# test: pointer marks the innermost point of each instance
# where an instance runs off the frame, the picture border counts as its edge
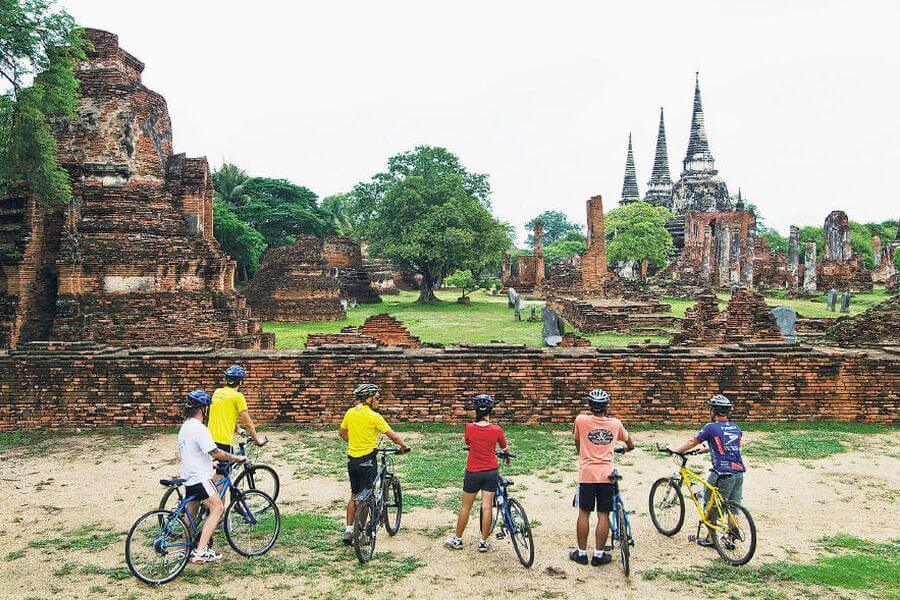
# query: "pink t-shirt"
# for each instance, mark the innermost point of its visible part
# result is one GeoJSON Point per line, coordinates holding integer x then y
{"type": "Point", "coordinates": [598, 437]}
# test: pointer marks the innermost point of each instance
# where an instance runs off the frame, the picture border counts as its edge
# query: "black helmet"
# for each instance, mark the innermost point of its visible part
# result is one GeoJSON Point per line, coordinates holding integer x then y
{"type": "Point", "coordinates": [598, 399]}
{"type": "Point", "coordinates": [197, 399]}
{"type": "Point", "coordinates": [720, 404]}
{"type": "Point", "coordinates": [483, 402]}
{"type": "Point", "coordinates": [366, 390]}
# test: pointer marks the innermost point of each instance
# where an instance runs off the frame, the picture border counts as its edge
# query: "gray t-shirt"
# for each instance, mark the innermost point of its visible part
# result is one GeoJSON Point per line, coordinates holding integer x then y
{"type": "Point", "coordinates": [194, 445]}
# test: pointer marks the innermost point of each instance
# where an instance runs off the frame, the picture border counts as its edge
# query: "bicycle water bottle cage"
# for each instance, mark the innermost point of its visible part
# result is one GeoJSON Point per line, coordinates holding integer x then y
{"type": "Point", "coordinates": [365, 494]}
{"type": "Point", "coordinates": [614, 476]}
{"type": "Point", "coordinates": [173, 482]}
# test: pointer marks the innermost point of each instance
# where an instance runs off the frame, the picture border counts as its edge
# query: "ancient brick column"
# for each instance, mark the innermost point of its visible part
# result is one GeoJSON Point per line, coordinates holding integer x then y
{"type": "Point", "coordinates": [506, 270]}
{"type": "Point", "coordinates": [593, 264]}
{"type": "Point", "coordinates": [876, 250]}
{"type": "Point", "coordinates": [809, 268]}
{"type": "Point", "coordinates": [538, 253]}
{"type": "Point", "coordinates": [724, 251]}
{"type": "Point", "coordinates": [837, 236]}
{"type": "Point", "coordinates": [794, 252]}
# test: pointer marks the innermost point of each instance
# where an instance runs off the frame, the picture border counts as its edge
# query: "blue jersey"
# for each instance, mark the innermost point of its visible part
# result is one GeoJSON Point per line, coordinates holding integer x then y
{"type": "Point", "coordinates": [724, 441]}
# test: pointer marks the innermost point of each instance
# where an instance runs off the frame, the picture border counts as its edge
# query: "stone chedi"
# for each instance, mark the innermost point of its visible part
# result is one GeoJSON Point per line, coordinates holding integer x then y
{"type": "Point", "coordinates": [659, 188]}
{"type": "Point", "coordinates": [840, 268]}
{"type": "Point", "coordinates": [294, 284]}
{"type": "Point", "coordinates": [629, 185]}
{"type": "Point", "coordinates": [344, 258]}
{"type": "Point", "coordinates": [132, 259]}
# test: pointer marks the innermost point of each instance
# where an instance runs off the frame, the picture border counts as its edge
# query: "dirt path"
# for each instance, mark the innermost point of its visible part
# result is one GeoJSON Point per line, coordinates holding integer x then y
{"type": "Point", "coordinates": [108, 484]}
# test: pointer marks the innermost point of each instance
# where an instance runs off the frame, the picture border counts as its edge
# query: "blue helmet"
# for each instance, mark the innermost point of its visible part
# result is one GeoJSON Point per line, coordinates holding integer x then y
{"type": "Point", "coordinates": [197, 399]}
{"type": "Point", "coordinates": [235, 372]}
{"type": "Point", "coordinates": [483, 402]}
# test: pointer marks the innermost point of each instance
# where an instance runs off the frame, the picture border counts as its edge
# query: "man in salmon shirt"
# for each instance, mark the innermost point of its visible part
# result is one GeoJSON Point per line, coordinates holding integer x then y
{"type": "Point", "coordinates": [596, 435]}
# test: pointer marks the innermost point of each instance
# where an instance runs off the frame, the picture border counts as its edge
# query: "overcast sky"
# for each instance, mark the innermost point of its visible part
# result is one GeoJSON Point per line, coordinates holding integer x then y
{"type": "Point", "coordinates": [801, 98]}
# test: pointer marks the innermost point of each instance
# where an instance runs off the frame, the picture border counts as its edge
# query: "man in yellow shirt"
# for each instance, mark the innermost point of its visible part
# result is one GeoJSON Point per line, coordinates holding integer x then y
{"type": "Point", "coordinates": [360, 428]}
{"type": "Point", "coordinates": [229, 405]}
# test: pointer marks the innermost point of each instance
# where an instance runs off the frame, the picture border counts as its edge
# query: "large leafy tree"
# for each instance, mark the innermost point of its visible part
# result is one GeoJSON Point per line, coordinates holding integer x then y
{"type": "Point", "coordinates": [637, 233]}
{"type": "Point", "coordinates": [429, 214]}
{"type": "Point", "coordinates": [229, 183]}
{"type": "Point", "coordinates": [281, 210]}
{"type": "Point", "coordinates": [337, 210]}
{"type": "Point", "coordinates": [39, 45]}
{"type": "Point", "coordinates": [573, 242]}
{"type": "Point", "coordinates": [556, 226]}
{"type": "Point", "coordinates": [237, 239]}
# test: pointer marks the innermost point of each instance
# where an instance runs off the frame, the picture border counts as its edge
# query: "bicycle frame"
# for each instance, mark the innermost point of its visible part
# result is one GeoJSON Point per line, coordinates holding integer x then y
{"type": "Point", "coordinates": [613, 518]}
{"type": "Point", "coordinates": [688, 477]}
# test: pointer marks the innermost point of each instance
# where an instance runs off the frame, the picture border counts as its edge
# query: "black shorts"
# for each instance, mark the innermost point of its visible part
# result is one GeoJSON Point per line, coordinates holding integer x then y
{"type": "Point", "coordinates": [200, 491]}
{"type": "Point", "coordinates": [362, 472]}
{"type": "Point", "coordinates": [485, 481]}
{"type": "Point", "coordinates": [591, 495]}
{"type": "Point", "coordinates": [223, 468]}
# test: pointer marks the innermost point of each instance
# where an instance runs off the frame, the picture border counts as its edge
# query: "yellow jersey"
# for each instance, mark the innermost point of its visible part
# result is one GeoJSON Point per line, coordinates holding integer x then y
{"type": "Point", "coordinates": [363, 426]}
{"type": "Point", "coordinates": [227, 404]}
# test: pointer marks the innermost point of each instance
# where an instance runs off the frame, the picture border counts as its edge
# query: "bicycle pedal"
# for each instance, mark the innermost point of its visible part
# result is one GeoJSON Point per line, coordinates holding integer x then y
{"type": "Point", "coordinates": [692, 538]}
{"type": "Point", "coordinates": [500, 535]}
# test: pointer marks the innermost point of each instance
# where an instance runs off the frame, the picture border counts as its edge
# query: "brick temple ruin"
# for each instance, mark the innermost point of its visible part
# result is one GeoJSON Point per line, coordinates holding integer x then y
{"type": "Point", "coordinates": [344, 257]}
{"type": "Point", "coordinates": [841, 268]}
{"type": "Point", "coordinates": [132, 259]}
{"type": "Point", "coordinates": [294, 284]}
{"type": "Point", "coordinates": [526, 273]}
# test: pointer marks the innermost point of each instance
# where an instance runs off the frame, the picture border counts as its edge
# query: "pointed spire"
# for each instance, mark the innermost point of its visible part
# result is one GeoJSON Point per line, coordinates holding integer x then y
{"type": "Point", "coordinates": [661, 161]}
{"type": "Point", "coordinates": [739, 204]}
{"type": "Point", "coordinates": [698, 147]}
{"type": "Point", "coordinates": [629, 185]}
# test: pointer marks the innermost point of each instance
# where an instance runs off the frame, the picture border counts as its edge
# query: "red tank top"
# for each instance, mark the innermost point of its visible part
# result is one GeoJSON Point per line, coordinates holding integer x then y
{"type": "Point", "coordinates": [483, 441]}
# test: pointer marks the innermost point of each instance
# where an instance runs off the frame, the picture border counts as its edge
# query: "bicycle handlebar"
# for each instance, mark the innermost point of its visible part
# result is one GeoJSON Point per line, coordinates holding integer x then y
{"type": "Point", "coordinates": [393, 450]}
{"type": "Point", "coordinates": [498, 453]}
{"type": "Point", "coordinates": [681, 454]}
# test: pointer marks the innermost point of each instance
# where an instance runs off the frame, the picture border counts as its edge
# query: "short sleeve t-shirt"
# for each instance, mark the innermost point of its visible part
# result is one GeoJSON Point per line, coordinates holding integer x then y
{"type": "Point", "coordinates": [227, 404]}
{"type": "Point", "coordinates": [724, 441]}
{"type": "Point", "coordinates": [483, 441]}
{"type": "Point", "coordinates": [194, 445]}
{"type": "Point", "coordinates": [363, 426]}
{"type": "Point", "coordinates": [597, 436]}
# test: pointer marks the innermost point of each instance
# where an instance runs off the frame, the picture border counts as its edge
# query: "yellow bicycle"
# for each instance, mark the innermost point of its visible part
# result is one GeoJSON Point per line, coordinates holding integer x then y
{"type": "Point", "coordinates": [732, 528]}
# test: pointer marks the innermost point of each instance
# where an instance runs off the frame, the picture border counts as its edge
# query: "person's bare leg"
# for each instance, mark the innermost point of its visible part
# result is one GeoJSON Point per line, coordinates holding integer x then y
{"type": "Point", "coordinates": [487, 507]}
{"type": "Point", "coordinates": [463, 519]}
{"type": "Point", "coordinates": [216, 508]}
{"type": "Point", "coordinates": [582, 528]}
{"type": "Point", "coordinates": [351, 510]}
{"type": "Point", "coordinates": [602, 531]}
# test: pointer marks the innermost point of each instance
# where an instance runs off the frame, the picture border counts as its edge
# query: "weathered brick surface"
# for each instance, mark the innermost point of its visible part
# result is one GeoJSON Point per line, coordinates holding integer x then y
{"type": "Point", "coordinates": [593, 263]}
{"type": "Point", "coordinates": [344, 258]}
{"type": "Point", "coordinates": [144, 387]}
{"type": "Point", "coordinates": [747, 319]}
{"type": "Point", "coordinates": [878, 326]}
{"type": "Point", "coordinates": [614, 315]}
{"type": "Point", "coordinates": [717, 250]}
{"type": "Point", "coordinates": [771, 270]}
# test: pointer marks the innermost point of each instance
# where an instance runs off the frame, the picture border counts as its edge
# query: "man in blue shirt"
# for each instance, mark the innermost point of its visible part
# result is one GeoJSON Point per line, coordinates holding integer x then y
{"type": "Point", "coordinates": [723, 440]}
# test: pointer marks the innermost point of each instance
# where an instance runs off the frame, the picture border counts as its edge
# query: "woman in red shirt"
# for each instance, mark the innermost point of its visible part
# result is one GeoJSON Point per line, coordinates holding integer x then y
{"type": "Point", "coordinates": [482, 437]}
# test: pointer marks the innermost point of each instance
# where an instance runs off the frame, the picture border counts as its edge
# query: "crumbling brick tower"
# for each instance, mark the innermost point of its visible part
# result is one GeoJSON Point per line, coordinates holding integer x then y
{"type": "Point", "coordinates": [840, 268]}
{"type": "Point", "coordinates": [132, 259]}
{"type": "Point", "coordinates": [593, 264]}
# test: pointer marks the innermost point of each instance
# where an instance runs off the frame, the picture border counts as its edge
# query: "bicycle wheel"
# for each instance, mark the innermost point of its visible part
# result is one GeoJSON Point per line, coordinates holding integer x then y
{"type": "Point", "coordinates": [666, 506]}
{"type": "Point", "coordinates": [157, 554]}
{"type": "Point", "coordinates": [520, 533]}
{"type": "Point", "coordinates": [170, 500]}
{"type": "Point", "coordinates": [737, 542]}
{"type": "Point", "coordinates": [252, 523]}
{"type": "Point", "coordinates": [624, 547]}
{"type": "Point", "coordinates": [393, 505]}
{"type": "Point", "coordinates": [365, 528]}
{"type": "Point", "coordinates": [259, 477]}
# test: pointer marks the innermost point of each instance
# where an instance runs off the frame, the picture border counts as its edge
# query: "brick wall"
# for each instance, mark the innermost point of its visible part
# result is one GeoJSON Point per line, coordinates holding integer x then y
{"type": "Point", "coordinates": [71, 387]}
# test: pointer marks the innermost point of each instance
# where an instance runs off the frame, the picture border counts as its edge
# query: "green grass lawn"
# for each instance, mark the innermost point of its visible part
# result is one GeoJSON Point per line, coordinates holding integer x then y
{"type": "Point", "coordinates": [818, 306]}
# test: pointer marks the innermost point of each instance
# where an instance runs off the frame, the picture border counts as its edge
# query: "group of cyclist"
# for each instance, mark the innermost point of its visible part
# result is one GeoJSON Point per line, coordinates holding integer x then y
{"type": "Point", "coordinates": [595, 433]}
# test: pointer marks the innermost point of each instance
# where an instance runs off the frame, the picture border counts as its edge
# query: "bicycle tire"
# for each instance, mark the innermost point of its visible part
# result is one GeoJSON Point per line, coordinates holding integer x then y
{"type": "Point", "coordinates": [364, 532]}
{"type": "Point", "coordinates": [167, 495]}
{"type": "Point", "coordinates": [624, 547]}
{"type": "Point", "coordinates": [166, 516]}
{"type": "Point", "coordinates": [393, 498]}
{"type": "Point", "coordinates": [664, 485]}
{"type": "Point", "coordinates": [256, 509]}
{"type": "Point", "coordinates": [722, 544]}
{"type": "Point", "coordinates": [520, 534]}
{"type": "Point", "coordinates": [246, 480]}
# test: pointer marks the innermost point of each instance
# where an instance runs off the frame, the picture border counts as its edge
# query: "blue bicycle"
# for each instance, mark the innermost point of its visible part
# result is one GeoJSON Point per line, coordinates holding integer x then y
{"type": "Point", "coordinates": [159, 543]}
{"type": "Point", "coordinates": [514, 521]}
{"type": "Point", "coordinates": [619, 524]}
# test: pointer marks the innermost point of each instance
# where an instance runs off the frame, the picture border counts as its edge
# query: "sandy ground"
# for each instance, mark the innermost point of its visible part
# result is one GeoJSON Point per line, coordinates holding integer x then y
{"type": "Point", "coordinates": [794, 503]}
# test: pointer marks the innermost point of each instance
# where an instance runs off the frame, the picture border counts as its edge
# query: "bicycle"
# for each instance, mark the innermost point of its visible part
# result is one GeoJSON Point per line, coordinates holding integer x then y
{"type": "Point", "coordinates": [379, 501]}
{"type": "Point", "coordinates": [730, 524]}
{"type": "Point", "coordinates": [159, 544]}
{"type": "Point", "coordinates": [619, 523]}
{"type": "Point", "coordinates": [253, 477]}
{"type": "Point", "coordinates": [515, 522]}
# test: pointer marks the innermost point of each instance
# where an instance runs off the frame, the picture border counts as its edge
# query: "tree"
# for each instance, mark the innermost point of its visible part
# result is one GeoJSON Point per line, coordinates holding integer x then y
{"type": "Point", "coordinates": [462, 279]}
{"type": "Point", "coordinates": [229, 183]}
{"type": "Point", "coordinates": [563, 249]}
{"type": "Point", "coordinates": [556, 226]}
{"type": "Point", "coordinates": [429, 214]}
{"type": "Point", "coordinates": [777, 242]}
{"type": "Point", "coordinates": [281, 210]}
{"type": "Point", "coordinates": [40, 44]}
{"type": "Point", "coordinates": [237, 239]}
{"type": "Point", "coordinates": [336, 208]}
{"type": "Point", "coordinates": [637, 233]}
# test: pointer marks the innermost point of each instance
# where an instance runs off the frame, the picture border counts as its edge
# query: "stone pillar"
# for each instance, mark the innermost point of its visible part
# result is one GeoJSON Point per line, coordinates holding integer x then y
{"type": "Point", "coordinates": [705, 265]}
{"type": "Point", "coordinates": [229, 276]}
{"type": "Point", "coordinates": [809, 265]}
{"type": "Point", "coordinates": [538, 253]}
{"type": "Point", "coordinates": [837, 236]}
{"type": "Point", "coordinates": [506, 270]}
{"type": "Point", "coordinates": [876, 250]}
{"type": "Point", "coordinates": [724, 249]}
{"type": "Point", "coordinates": [594, 263]}
{"type": "Point", "coordinates": [793, 256]}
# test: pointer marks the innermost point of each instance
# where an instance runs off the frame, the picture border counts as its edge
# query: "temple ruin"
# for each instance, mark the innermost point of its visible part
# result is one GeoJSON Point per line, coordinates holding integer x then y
{"type": "Point", "coordinates": [840, 268]}
{"type": "Point", "coordinates": [747, 319]}
{"type": "Point", "coordinates": [132, 259]}
{"type": "Point", "coordinates": [884, 256]}
{"type": "Point", "coordinates": [526, 273]}
{"type": "Point", "coordinates": [344, 257]}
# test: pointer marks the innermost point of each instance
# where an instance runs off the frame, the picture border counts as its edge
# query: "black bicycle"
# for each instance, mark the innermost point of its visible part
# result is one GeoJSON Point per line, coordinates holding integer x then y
{"type": "Point", "coordinates": [252, 477]}
{"type": "Point", "coordinates": [515, 522]}
{"type": "Point", "coordinates": [381, 503]}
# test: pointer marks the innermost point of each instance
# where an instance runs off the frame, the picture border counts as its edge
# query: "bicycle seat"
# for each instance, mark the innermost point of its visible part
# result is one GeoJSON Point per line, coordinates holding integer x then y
{"type": "Point", "coordinates": [615, 476]}
{"type": "Point", "coordinates": [173, 482]}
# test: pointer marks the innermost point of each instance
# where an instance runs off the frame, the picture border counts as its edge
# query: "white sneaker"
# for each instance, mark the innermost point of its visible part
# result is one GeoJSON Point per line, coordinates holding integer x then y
{"type": "Point", "coordinates": [205, 556]}
{"type": "Point", "coordinates": [454, 542]}
{"type": "Point", "coordinates": [482, 545]}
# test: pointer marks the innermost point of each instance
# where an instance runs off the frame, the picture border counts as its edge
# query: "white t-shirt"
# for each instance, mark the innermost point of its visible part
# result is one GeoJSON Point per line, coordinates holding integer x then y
{"type": "Point", "coordinates": [194, 445]}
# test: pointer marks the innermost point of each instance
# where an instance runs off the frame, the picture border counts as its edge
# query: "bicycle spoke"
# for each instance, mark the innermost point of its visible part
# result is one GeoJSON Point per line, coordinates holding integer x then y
{"type": "Point", "coordinates": [252, 523]}
{"type": "Point", "coordinates": [157, 554]}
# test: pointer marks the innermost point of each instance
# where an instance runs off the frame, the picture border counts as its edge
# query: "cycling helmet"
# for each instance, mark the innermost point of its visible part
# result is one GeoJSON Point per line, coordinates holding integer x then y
{"type": "Point", "coordinates": [366, 390]}
{"type": "Point", "coordinates": [235, 372]}
{"type": "Point", "coordinates": [483, 402]}
{"type": "Point", "coordinates": [197, 399]}
{"type": "Point", "coordinates": [720, 404]}
{"type": "Point", "coordinates": [598, 398]}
